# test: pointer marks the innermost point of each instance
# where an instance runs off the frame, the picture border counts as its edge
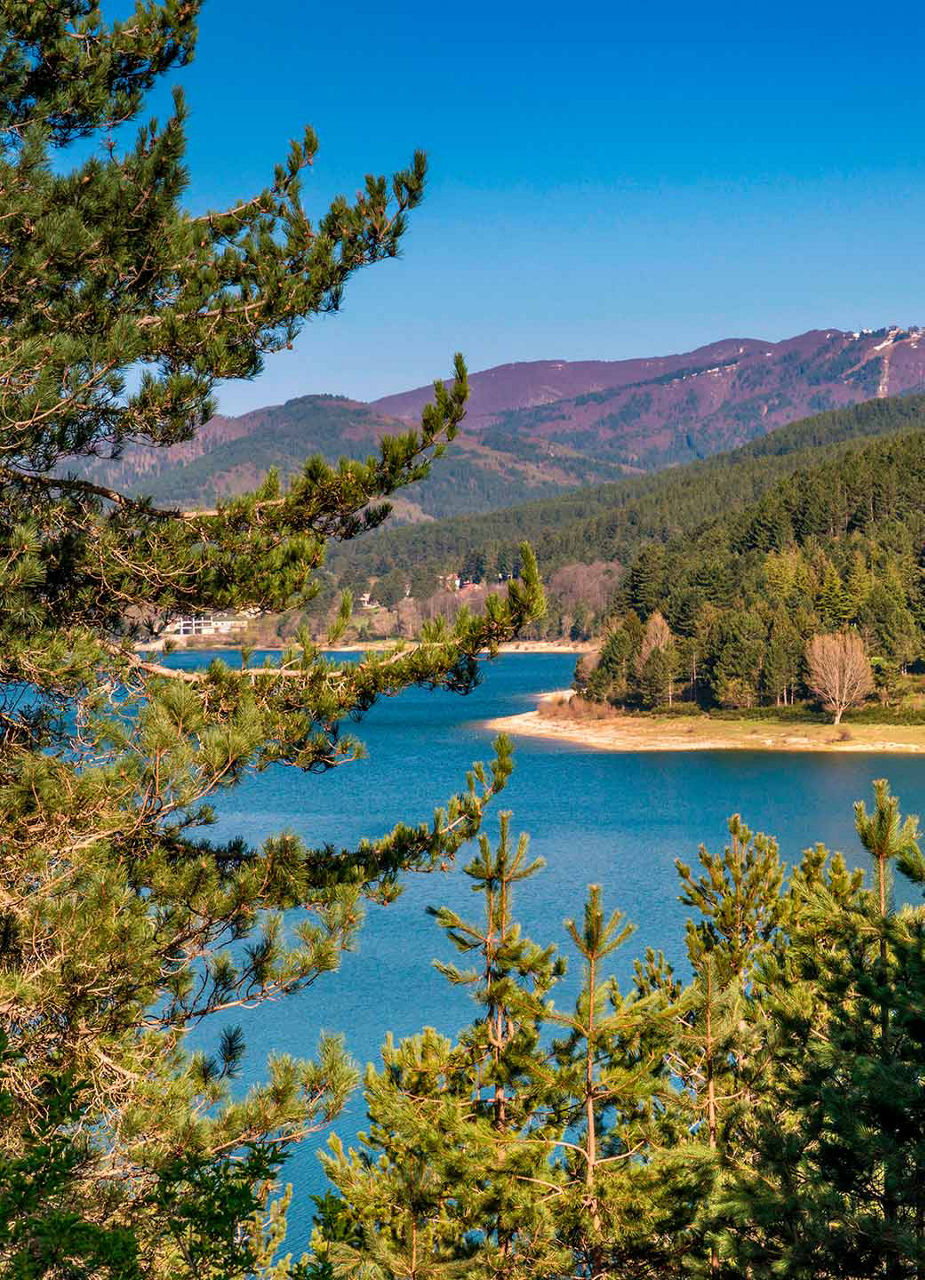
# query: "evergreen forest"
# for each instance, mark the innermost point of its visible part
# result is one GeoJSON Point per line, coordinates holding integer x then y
{"type": "Point", "coordinates": [724, 614]}
{"type": "Point", "coordinates": [610, 521]}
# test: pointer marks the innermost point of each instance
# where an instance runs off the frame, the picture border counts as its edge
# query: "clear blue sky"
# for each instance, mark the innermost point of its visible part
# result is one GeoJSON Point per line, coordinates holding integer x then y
{"type": "Point", "coordinates": [604, 183]}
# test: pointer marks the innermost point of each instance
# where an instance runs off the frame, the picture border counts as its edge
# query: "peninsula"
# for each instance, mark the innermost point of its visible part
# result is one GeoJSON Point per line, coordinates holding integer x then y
{"type": "Point", "coordinates": [605, 729]}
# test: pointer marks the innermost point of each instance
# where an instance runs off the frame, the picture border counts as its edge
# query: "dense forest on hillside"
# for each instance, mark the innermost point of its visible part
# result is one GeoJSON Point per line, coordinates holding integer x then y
{"type": "Point", "coordinates": [609, 522]}
{"type": "Point", "coordinates": [730, 614]}
{"type": "Point", "coordinates": [587, 540]}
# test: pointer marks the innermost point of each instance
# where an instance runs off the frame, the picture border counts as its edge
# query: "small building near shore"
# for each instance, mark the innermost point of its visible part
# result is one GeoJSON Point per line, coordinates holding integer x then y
{"type": "Point", "coordinates": [205, 624]}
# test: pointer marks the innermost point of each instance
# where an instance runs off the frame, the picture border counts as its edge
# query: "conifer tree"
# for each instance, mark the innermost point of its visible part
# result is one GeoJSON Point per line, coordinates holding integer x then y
{"type": "Point", "coordinates": [42, 1231]}
{"type": "Point", "coordinates": [837, 1186]}
{"type": "Point", "coordinates": [736, 658]}
{"type": "Point", "coordinates": [646, 584]}
{"type": "Point", "coordinates": [833, 603]}
{"type": "Point", "coordinates": [507, 1155]}
{"type": "Point", "coordinates": [657, 662]}
{"type": "Point", "coordinates": [764, 1122]}
{"type": "Point", "coordinates": [629, 1205]}
{"type": "Point", "coordinates": [453, 1177]}
{"type": "Point", "coordinates": [122, 925]}
{"type": "Point", "coordinates": [771, 528]}
{"type": "Point", "coordinates": [656, 680]}
{"type": "Point", "coordinates": [719, 1058]}
{"type": "Point", "coordinates": [893, 630]}
{"type": "Point", "coordinates": [585, 1051]}
{"type": "Point", "coordinates": [783, 659]}
{"type": "Point", "coordinates": [858, 583]}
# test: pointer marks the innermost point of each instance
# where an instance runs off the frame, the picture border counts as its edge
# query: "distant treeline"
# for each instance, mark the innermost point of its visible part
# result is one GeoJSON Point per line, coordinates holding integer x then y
{"type": "Point", "coordinates": [610, 522]}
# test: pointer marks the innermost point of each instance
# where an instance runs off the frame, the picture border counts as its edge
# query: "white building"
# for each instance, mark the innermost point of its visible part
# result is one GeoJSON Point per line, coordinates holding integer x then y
{"type": "Point", "coordinates": [206, 624]}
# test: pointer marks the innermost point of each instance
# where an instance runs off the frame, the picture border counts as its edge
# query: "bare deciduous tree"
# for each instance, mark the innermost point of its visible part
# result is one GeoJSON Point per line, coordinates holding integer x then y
{"type": "Point", "coordinates": [409, 618]}
{"type": "Point", "coordinates": [658, 636]}
{"type": "Point", "coordinates": [447, 604]}
{"type": "Point", "coordinates": [589, 584]}
{"type": "Point", "coordinates": [839, 671]}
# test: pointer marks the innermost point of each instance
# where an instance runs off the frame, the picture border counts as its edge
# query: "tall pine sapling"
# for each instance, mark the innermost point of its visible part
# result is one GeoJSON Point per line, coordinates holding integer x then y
{"type": "Point", "coordinates": [627, 1204]}
{"type": "Point", "coordinates": [453, 1177]}
{"type": "Point", "coordinates": [720, 1053]}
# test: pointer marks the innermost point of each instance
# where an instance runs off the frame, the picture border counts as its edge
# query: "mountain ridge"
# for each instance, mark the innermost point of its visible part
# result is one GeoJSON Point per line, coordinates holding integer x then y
{"type": "Point", "coordinates": [657, 411]}
{"type": "Point", "coordinates": [537, 428]}
{"type": "Point", "coordinates": [579, 376]}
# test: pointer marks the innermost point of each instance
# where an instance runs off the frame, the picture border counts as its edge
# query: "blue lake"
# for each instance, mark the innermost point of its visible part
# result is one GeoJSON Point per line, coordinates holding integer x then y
{"type": "Point", "coordinates": [612, 818]}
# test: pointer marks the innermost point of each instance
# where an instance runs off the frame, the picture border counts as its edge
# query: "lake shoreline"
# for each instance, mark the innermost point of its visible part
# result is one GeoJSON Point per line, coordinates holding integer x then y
{"type": "Point", "coordinates": [641, 733]}
{"type": "Point", "coordinates": [373, 646]}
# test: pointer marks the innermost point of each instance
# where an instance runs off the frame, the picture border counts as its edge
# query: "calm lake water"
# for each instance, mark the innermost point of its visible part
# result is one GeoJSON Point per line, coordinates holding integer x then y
{"type": "Point", "coordinates": [616, 819]}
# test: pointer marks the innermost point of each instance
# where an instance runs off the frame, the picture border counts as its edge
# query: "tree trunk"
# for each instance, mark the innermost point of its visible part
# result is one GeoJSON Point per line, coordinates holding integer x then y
{"type": "Point", "coordinates": [894, 1268]}
{"type": "Point", "coordinates": [596, 1252]}
{"type": "Point", "coordinates": [711, 1089]}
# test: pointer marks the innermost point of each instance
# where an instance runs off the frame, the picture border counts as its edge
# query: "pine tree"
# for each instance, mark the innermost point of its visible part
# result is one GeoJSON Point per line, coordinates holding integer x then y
{"type": "Point", "coordinates": [629, 1205]}
{"type": "Point", "coordinates": [647, 580]}
{"type": "Point", "coordinates": [832, 603]}
{"type": "Point", "coordinates": [684, 611]}
{"type": "Point", "coordinates": [656, 680]}
{"type": "Point", "coordinates": [505, 1155]}
{"type": "Point", "coordinates": [656, 663]}
{"type": "Point", "coordinates": [720, 1054]}
{"type": "Point", "coordinates": [765, 1121]}
{"type": "Point", "coordinates": [122, 926]}
{"type": "Point", "coordinates": [609, 680]}
{"type": "Point", "coordinates": [858, 584]}
{"type": "Point", "coordinates": [737, 651]}
{"type": "Point", "coordinates": [782, 661]}
{"type": "Point", "coordinates": [43, 1229]}
{"type": "Point", "coordinates": [715, 577]}
{"type": "Point", "coordinates": [894, 633]}
{"type": "Point", "coordinates": [453, 1178]}
{"type": "Point", "coordinates": [586, 1051]}
{"type": "Point", "coordinates": [838, 1187]}
{"type": "Point", "coordinates": [770, 528]}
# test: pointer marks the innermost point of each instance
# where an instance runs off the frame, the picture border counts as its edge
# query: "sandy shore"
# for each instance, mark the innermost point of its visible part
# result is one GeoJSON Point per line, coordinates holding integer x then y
{"type": "Point", "coordinates": [375, 646]}
{"type": "Point", "coordinates": [548, 646]}
{"type": "Point", "coordinates": [617, 732]}
{"type": "Point", "coordinates": [515, 646]}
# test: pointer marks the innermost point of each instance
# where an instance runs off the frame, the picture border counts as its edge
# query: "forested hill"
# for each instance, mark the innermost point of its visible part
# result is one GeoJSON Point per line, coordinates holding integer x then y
{"type": "Point", "coordinates": [609, 522]}
{"type": "Point", "coordinates": [728, 615]}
